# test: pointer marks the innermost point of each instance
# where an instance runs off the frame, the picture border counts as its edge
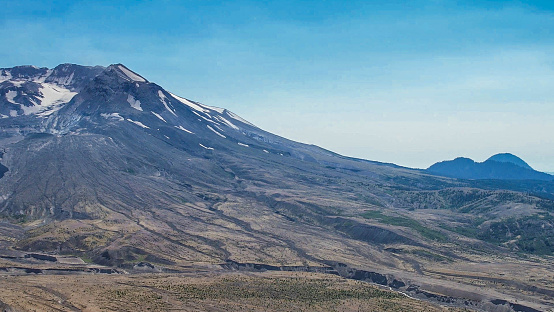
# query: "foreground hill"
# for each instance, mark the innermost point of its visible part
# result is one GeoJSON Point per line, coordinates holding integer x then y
{"type": "Point", "coordinates": [269, 291]}
{"type": "Point", "coordinates": [103, 166]}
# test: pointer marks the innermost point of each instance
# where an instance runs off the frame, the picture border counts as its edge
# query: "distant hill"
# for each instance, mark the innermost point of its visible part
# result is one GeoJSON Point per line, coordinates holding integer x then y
{"type": "Point", "coordinates": [500, 166]}
{"type": "Point", "coordinates": [510, 158]}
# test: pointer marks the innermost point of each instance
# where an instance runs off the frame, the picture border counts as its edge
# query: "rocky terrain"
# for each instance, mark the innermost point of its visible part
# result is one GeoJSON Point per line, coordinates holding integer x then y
{"type": "Point", "coordinates": [107, 173]}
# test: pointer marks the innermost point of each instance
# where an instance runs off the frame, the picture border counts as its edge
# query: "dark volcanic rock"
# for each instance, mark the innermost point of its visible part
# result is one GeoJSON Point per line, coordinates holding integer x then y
{"type": "Point", "coordinates": [41, 257]}
{"type": "Point", "coordinates": [370, 233]}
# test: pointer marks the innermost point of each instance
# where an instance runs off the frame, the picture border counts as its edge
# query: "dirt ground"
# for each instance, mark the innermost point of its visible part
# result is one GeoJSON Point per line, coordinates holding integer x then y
{"type": "Point", "coordinates": [276, 291]}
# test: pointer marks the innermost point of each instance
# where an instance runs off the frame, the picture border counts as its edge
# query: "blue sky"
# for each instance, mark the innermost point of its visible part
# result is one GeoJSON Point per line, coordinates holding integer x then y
{"type": "Point", "coordinates": [409, 82]}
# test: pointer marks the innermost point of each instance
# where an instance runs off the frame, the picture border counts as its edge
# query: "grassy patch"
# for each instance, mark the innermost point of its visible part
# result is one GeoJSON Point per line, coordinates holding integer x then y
{"type": "Point", "coordinates": [86, 258]}
{"type": "Point", "coordinates": [468, 231]}
{"type": "Point", "coordinates": [405, 222]}
{"type": "Point", "coordinates": [301, 290]}
{"type": "Point", "coordinates": [531, 234]}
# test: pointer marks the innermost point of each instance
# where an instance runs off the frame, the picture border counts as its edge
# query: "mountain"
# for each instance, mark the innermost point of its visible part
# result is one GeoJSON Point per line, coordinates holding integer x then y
{"type": "Point", "coordinates": [104, 167]}
{"type": "Point", "coordinates": [510, 158]}
{"type": "Point", "coordinates": [500, 166]}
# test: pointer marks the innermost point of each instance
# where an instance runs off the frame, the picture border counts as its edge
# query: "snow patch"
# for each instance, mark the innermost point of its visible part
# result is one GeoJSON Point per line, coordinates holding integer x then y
{"type": "Point", "coordinates": [131, 75]}
{"type": "Point", "coordinates": [138, 123]}
{"type": "Point", "coordinates": [198, 114]}
{"type": "Point", "coordinates": [13, 113]}
{"type": "Point", "coordinates": [208, 148]}
{"type": "Point", "coordinates": [237, 117]}
{"type": "Point", "coordinates": [206, 110]}
{"type": "Point", "coordinates": [242, 144]}
{"type": "Point", "coordinates": [163, 98]}
{"type": "Point", "coordinates": [181, 128]}
{"type": "Point", "coordinates": [52, 95]}
{"type": "Point", "coordinates": [206, 119]}
{"type": "Point", "coordinates": [197, 106]}
{"type": "Point", "coordinates": [221, 135]}
{"type": "Point", "coordinates": [18, 83]}
{"type": "Point", "coordinates": [228, 123]}
{"type": "Point", "coordinates": [112, 116]}
{"type": "Point", "coordinates": [10, 96]}
{"type": "Point", "coordinates": [189, 103]}
{"type": "Point", "coordinates": [49, 111]}
{"type": "Point", "coordinates": [218, 128]}
{"type": "Point", "coordinates": [217, 109]}
{"type": "Point", "coordinates": [160, 117]}
{"type": "Point", "coordinates": [51, 99]}
{"type": "Point", "coordinates": [134, 103]}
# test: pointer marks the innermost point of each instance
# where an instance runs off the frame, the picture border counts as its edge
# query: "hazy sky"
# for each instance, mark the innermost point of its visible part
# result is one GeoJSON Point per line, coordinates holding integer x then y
{"type": "Point", "coordinates": [408, 82]}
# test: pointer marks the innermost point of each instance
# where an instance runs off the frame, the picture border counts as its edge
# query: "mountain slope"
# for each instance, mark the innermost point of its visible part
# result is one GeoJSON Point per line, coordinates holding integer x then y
{"type": "Point", "coordinates": [125, 172]}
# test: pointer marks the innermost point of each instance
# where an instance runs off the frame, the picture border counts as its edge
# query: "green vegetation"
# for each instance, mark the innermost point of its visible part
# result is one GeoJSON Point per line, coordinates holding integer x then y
{"type": "Point", "coordinates": [310, 291]}
{"type": "Point", "coordinates": [531, 234]}
{"type": "Point", "coordinates": [371, 200]}
{"type": "Point", "coordinates": [86, 258]}
{"type": "Point", "coordinates": [468, 231]}
{"type": "Point", "coordinates": [405, 222]}
{"type": "Point", "coordinates": [253, 292]}
{"type": "Point", "coordinates": [16, 218]}
{"type": "Point", "coordinates": [471, 229]}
